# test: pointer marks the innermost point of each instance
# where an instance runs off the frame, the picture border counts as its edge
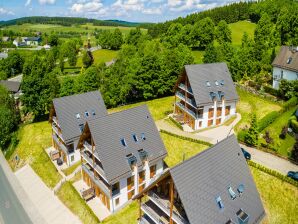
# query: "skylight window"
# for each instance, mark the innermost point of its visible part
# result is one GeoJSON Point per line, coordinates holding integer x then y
{"type": "Point", "coordinates": [143, 154]}
{"type": "Point", "coordinates": [78, 116]}
{"type": "Point", "coordinates": [81, 127]}
{"type": "Point", "coordinates": [242, 217]}
{"type": "Point", "coordinates": [222, 82]}
{"type": "Point", "coordinates": [135, 138]}
{"type": "Point", "coordinates": [143, 136]}
{"type": "Point", "coordinates": [216, 83]}
{"type": "Point", "coordinates": [219, 203]}
{"type": "Point", "coordinates": [289, 60]}
{"type": "Point", "coordinates": [123, 142]}
{"type": "Point", "coordinates": [208, 84]}
{"type": "Point", "coordinates": [232, 193]}
{"type": "Point", "coordinates": [240, 188]}
{"type": "Point", "coordinates": [86, 114]}
{"type": "Point", "coordinates": [93, 112]}
{"type": "Point", "coordinates": [131, 159]}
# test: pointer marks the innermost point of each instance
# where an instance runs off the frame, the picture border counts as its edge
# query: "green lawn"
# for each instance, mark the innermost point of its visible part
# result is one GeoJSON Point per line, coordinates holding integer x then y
{"type": "Point", "coordinates": [71, 169]}
{"type": "Point", "coordinates": [34, 138]}
{"type": "Point", "coordinates": [239, 28]}
{"type": "Point", "coordinates": [249, 103]}
{"type": "Point", "coordinates": [159, 108]}
{"type": "Point", "coordinates": [198, 56]}
{"type": "Point", "coordinates": [283, 146]}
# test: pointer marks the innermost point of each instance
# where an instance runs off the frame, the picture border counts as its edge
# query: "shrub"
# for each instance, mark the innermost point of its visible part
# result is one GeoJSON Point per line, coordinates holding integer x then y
{"type": "Point", "coordinates": [241, 135]}
{"type": "Point", "coordinates": [270, 90]}
{"type": "Point", "coordinates": [291, 103]}
{"type": "Point", "coordinates": [294, 125]}
{"type": "Point", "coordinates": [177, 124]}
{"type": "Point", "coordinates": [284, 132]}
{"type": "Point", "coordinates": [252, 136]}
{"type": "Point", "coordinates": [267, 120]}
{"type": "Point", "coordinates": [267, 138]}
{"type": "Point", "coordinates": [295, 151]}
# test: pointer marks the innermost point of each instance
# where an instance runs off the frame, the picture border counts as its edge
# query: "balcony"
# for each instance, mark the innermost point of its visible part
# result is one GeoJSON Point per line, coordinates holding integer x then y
{"type": "Point", "coordinates": [61, 145]}
{"type": "Point", "coordinates": [164, 205]}
{"type": "Point", "coordinates": [57, 131]}
{"type": "Point", "coordinates": [145, 219]}
{"type": "Point", "coordinates": [88, 157]}
{"type": "Point", "coordinates": [183, 87]}
{"type": "Point", "coordinates": [56, 121]}
{"type": "Point", "coordinates": [190, 112]}
{"type": "Point", "coordinates": [191, 102]}
{"type": "Point", "coordinates": [88, 146]}
{"type": "Point", "coordinates": [154, 213]}
{"type": "Point", "coordinates": [96, 180]}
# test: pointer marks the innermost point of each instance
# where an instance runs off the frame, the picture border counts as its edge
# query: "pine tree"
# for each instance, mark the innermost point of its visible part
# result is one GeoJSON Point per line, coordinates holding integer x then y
{"type": "Point", "coordinates": [252, 135]}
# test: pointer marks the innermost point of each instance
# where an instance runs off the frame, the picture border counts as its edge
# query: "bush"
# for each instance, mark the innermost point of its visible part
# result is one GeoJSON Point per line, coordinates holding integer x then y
{"type": "Point", "coordinates": [252, 136]}
{"type": "Point", "coordinates": [267, 138]}
{"type": "Point", "coordinates": [241, 135]}
{"type": "Point", "coordinates": [294, 125]}
{"type": "Point", "coordinates": [177, 124]}
{"type": "Point", "coordinates": [270, 90]}
{"type": "Point", "coordinates": [295, 152]}
{"type": "Point", "coordinates": [291, 103]}
{"type": "Point", "coordinates": [267, 120]}
{"type": "Point", "coordinates": [284, 132]}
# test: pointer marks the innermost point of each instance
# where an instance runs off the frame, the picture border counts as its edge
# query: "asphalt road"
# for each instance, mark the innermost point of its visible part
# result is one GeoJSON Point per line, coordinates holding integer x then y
{"type": "Point", "coordinates": [11, 210]}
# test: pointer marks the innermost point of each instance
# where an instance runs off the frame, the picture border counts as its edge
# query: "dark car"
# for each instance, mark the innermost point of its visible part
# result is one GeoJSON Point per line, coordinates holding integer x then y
{"type": "Point", "coordinates": [246, 154]}
{"type": "Point", "coordinates": [293, 175]}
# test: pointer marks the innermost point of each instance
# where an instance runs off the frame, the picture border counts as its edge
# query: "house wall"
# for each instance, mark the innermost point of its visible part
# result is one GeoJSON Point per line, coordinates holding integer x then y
{"type": "Point", "coordinates": [279, 73]}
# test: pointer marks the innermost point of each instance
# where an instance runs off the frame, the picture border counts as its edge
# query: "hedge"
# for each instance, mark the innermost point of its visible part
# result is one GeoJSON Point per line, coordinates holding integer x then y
{"type": "Point", "coordinates": [273, 173]}
{"type": "Point", "coordinates": [267, 120]}
{"type": "Point", "coordinates": [186, 138]}
{"type": "Point", "coordinates": [294, 125]}
{"type": "Point", "coordinates": [291, 103]}
{"type": "Point", "coordinates": [270, 90]}
{"type": "Point", "coordinates": [177, 124]}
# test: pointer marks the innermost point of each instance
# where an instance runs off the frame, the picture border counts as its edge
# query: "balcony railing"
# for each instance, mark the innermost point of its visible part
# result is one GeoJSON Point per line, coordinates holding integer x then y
{"type": "Point", "coordinates": [165, 206]}
{"type": "Point", "coordinates": [183, 87]}
{"type": "Point", "coordinates": [98, 169]}
{"type": "Point", "coordinates": [152, 214]}
{"type": "Point", "coordinates": [190, 112]}
{"type": "Point", "coordinates": [96, 180]}
{"type": "Point", "coordinates": [61, 145]}
{"type": "Point", "coordinates": [144, 220]}
{"type": "Point", "coordinates": [56, 121]}
{"type": "Point", "coordinates": [191, 102]}
{"type": "Point", "coordinates": [57, 131]}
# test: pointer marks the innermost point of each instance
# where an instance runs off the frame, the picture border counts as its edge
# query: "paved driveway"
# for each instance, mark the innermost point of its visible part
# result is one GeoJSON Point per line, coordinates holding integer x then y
{"type": "Point", "coordinates": [48, 205]}
{"type": "Point", "coordinates": [271, 161]}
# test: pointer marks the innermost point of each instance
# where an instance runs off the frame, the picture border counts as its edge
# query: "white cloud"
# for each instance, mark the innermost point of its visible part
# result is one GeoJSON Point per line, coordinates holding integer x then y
{"type": "Point", "coordinates": [4, 11]}
{"type": "Point", "coordinates": [192, 5]}
{"type": "Point", "coordinates": [152, 11]}
{"type": "Point", "coordinates": [28, 2]}
{"type": "Point", "coordinates": [43, 2]}
{"type": "Point", "coordinates": [88, 8]}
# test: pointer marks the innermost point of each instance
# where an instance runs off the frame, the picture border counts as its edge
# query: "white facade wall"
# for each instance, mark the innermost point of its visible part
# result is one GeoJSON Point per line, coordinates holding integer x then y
{"type": "Point", "coordinates": [76, 156]}
{"type": "Point", "coordinates": [279, 73]}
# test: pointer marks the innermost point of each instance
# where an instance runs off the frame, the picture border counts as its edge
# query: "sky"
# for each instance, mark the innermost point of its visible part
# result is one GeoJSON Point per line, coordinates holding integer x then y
{"type": "Point", "coordinates": [128, 10]}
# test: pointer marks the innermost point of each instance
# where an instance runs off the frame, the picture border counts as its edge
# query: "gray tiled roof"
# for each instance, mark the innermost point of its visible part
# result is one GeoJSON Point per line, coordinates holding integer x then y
{"type": "Point", "coordinates": [207, 175]}
{"type": "Point", "coordinates": [285, 53]}
{"type": "Point", "coordinates": [109, 130]}
{"type": "Point", "coordinates": [67, 107]}
{"type": "Point", "coordinates": [200, 73]}
{"type": "Point", "coordinates": [11, 86]}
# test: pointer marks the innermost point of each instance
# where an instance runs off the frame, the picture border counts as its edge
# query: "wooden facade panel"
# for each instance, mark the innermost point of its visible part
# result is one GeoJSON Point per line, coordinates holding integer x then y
{"type": "Point", "coordinates": [218, 121]}
{"type": "Point", "coordinates": [211, 113]}
{"type": "Point", "coordinates": [210, 122]}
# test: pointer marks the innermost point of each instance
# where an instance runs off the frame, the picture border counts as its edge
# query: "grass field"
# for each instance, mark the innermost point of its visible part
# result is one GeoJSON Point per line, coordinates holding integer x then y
{"type": "Point", "coordinates": [48, 28]}
{"type": "Point", "coordinates": [34, 138]}
{"type": "Point", "coordinates": [283, 146]}
{"type": "Point", "coordinates": [249, 103]}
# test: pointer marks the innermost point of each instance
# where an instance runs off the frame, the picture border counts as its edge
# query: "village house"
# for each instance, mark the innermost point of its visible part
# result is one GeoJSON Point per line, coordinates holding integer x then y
{"type": "Point", "coordinates": [121, 154]}
{"type": "Point", "coordinates": [285, 65]}
{"type": "Point", "coordinates": [68, 116]}
{"type": "Point", "coordinates": [205, 95]}
{"type": "Point", "coordinates": [5, 39]}
{"type": "Point", "coordinates": [13, 88]}
{"type": "Point", "coordinates": [215, 186]}
{"type": "Point", "coordinates": [27, 41]}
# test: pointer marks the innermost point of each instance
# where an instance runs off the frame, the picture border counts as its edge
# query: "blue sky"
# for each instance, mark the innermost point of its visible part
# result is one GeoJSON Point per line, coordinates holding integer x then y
{"type": "Point", "coordinates": [129, 10]}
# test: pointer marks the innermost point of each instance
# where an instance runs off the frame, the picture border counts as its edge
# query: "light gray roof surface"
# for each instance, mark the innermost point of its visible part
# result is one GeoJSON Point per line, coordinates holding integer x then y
{"type": "Point", "coordinates": [11, 86]}
{"type": "Point", "coordinates": [208, 175]}
{"type": "Point", "coordinates": [108, 131]}
{"type": "Point", "coordinates": [199, 74]}
{"type": "Point", "coordinates": [68, 107]}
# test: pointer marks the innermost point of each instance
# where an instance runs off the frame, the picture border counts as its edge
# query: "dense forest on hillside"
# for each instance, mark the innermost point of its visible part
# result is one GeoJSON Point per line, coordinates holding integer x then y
{"type": "Point", "coordinates": [68, 21]}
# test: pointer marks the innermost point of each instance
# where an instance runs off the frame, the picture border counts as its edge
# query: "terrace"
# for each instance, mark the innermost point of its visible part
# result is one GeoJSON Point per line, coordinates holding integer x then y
{"type": "Point", "coordinates": [189, 101]}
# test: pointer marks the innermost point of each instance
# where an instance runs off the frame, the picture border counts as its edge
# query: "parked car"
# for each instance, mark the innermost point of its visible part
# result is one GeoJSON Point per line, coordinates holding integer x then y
{"type": "Point", "coordinates": [293, 175]}
{"type": "Point", "coordinates": [59, 162]}
{"type": "Point", "coordinates": [246, 154]}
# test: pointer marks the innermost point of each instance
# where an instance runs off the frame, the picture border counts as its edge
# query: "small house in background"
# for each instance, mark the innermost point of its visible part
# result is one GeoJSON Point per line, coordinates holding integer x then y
{"type": "Point", "coordinates": [68, 117]}
{"type": "Point", "coordinates": [32, 41]}
{"type": "Point", "coordinates": [122, 153]}
{"type": "Point", "coordinates": [5, 39]}
{"type": "Point", "coordinates": [215, 186]}
{"type": "Point", "coordinates": [3, 55]}
{"type": "Point", "coordinates": [13, 87]}
{"type": "Point", "coordinates": [205, 95]}
{"type": "Point", "coordinates": [47, 47]}
{"type": "Point", "coordinates": [285, 65]}
{"type": "Point", "coordinates": [19, 42]}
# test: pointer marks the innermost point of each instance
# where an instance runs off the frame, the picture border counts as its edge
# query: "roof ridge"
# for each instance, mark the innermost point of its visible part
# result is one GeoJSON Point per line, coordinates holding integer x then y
{"type": "Point", "coordinates": [204, 151]}
{"type": "Point", "coordinates": [77, 94]}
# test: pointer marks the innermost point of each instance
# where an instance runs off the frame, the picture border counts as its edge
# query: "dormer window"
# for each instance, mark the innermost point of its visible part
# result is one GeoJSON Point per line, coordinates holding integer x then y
{"type": "Point", "coordinates": [219, 203]}
{"type": "Point", "coordinates": [131, 159]}
{"type": "Point", "coordinates": [232, 193]}
{"type": "Point", "coordinates": [143, 136]}
{"type": "Point", "coordinates": [86, 114]}
{"type": "Point", "coordinates": [208, 84]}
{"type": "Point", "coordinates": [123, 142]}
{"type": "Point", "coordinates": [143, 154]}
{"type": "Point", "coordinates": [78, 116]}
{"type": "Point", "coordinates": [135, 138]}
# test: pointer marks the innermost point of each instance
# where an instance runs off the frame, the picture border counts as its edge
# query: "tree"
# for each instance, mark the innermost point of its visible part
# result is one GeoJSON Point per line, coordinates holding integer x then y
{"type": "Point", "coordinates": [88, 80]}
{"type": "Point", "coordinates": [134, 36]}
{"type": "Point", "coordinates": [117, 39]}
{"type": "Point", "coordinates": [223, 32]}
{"type": "Point", "coordinates": [204, 32]}
{"type": "Point", "coordinates": [211, 54]}
{"type": "Point", "coordinates": [87, 59]}
{"type": "Point", "coordinates": [67, 87]}
{"type": "Point", "coordinates": [173, 36]}
{"type": "Point", "coordinates": [288, 89]}
{"type": "Point", "coordinates": [295, 151]}
{"type": "Point", "coordinates": [252, 136]}
{"type": "Point", "coordinates": [53, 40]}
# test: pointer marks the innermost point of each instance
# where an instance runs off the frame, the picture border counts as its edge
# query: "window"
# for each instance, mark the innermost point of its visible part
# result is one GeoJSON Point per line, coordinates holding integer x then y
{"type": "Point", "coordinates": [72, 158]}
{"type": "Point", "coordinates": [152, 171]}
{"type": "Point", "coordinates": [289, 60]}
{"type": "Point", "coordinates": [222, 82]}
{"type": "Point", "coordinates": [242, 217]}
{"type": "Point", "coordinates": [230, 221]}
{"type": "Point", "coordinates": [143, 154]}
{"type": "Point", "coordinates": [131, 159]}
{"type": "Point", "coordinates": [232, 193]}
{"type": "Point", "coordinates": [216, 83]}
{"type": "Point", "coordinates": [78, 116]}
{"type": "Point", "coordinates": [135, 138]}
{"type": "Point", "coordinates": [93, 112]}
{"type": "Point", "coordinates": [282, 74]}
{"type": "Point", "coordinates": [115, 189]}
{"type": "Point", "coordinates": [219, 203]}
{"type": "Point", "coordinates": [240, 188]}
{"type": "Point", "coordinates": [117, 201]}
{"type": "Point", "coordinates": [86, 114]}
{"type": "Point", "coordinates": [81, 127]}
{"type": "Point", "coordinates": [208, 84]}
{"type": "Point", "coordinates": [143, 136]}
{"type": "Point", "coordinates": [123, 142]}
{"type": "Point", "coordinates": [130, 182]}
